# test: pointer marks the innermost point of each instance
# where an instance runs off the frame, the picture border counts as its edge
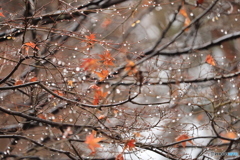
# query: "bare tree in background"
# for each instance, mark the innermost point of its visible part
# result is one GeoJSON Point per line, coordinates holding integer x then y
{"type": "Point", "coordinates": [119, 79]}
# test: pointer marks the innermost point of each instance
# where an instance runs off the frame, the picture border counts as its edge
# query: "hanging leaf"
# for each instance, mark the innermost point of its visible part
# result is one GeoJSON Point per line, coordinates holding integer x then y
{"type": "Point", "coordinates": [33, 79]}
{"type": "Point", "coordinates": [183, 137]}
{"type": "Point", "coordinates": [130, 144]}
{"type": "Point", "coordinates": [70, 83]}
{"type": "Point", "coordinates": [18, 82]}
{"type": "Point", "coordinates": [199, 2]}
{"type": "Point", "coordinates": [1, 14]}
{"type": "Point", "coordinates": [209, 59]}
{"type": "Point", "coordinates": [119, 157]}
{"type": "Point", "coordinates": [130, 68]}
{"type": "Point", "coordinates": [91, 37]}
{"type": "Point", "coordinates": [32, 45]}
{"type": "Point", "coordinates": [103, 74]}
{"type": "Point", "coordinates": [231, 135]}
{"type": "Point", "coordinates": [183, 12]}
{"type": "Point", "coordinates": [92, 141]}
{"type": "Point", "coordinates": [89, 64]}
{"type": "Point", "coordinates": [98, 95]}
{"type": "Point", "coordinates": [107, 59]}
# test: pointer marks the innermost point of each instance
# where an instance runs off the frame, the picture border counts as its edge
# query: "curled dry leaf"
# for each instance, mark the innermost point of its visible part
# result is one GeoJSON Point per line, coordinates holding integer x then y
{"type": "Point", "coordinates": [184, 137]}
{"type": "Point", "coordinates": [209, 59]}
{"type": "Point", "coordinates": [130, 144]}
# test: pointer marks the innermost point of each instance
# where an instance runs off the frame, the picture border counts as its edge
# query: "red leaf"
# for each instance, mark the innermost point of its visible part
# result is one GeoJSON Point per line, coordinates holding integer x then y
{"type": "Point", "coordinates": [183, 137]}
{"type": "Point", "coordinates": [91, 37]}
{"type": "Point", "coordinates": [33, 79]}
{"type": "Point", "coordinates": [1, 14]}
{"type": "Point", "coordinates": [89, 64]}
{"type": "Point", "coordinates": [32, 45]}
{"type": "Point", "coordinates": [18, 82]}
{"type": "Point", "coordinates": [92, 142]}
{"type": "Point", "coordinates": [130, 144]}
{"type": "Point", "coordinates": [107, 58]}
{"type": "Point", "coordinates": [103, 74]}
{"type": "Point", "coordinates": [199, 2]}
{"type": "Point", "coordinates": [119, 157]}
{"type": "Point", "coordinates": [210, 60]}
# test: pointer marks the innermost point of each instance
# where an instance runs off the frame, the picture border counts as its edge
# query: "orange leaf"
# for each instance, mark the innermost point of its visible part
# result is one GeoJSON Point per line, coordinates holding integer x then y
{"type": "Point", "coordinates": [41, 116]}
{"type": "Point", "coordinates": [32, 45]}
{"type": "Point", "coordinates": [107, 58]}
{"type": "Point", "coordinates": [103, 74]}
{"type": "Point", "coordinates": [119, 157]}
{"type": "Point", "coordinates": [231, 135]}
{"type": "Point", "coordinates": [199, 2]}
{"type": "Point", "coordinates": [183, 137]}
{"type": "Point", "coordinates": [130, 68]}
{"type": "Point", "coordinates": [91, 37]}
{"type": "Point", "coordinates": [98, 95]}
{"type": "Point", "coordinates": [33, 79]}
{"type": "Point", "coordinates": [1, 14]}
{"type": "Point", "coordinates": [184, 13]}
{"type": "Point", "coordinates": [106, 23]}
{"type": "Point", "coordinates": [70, 83]}
{"type": "Point", "coordinates": [60, 93]}
{"type": "Point", "coordinates": [209, 59]}
{"type": "Point", "coordinates": [92, 142]}
{"type": "Point", "coordinates": [89, 64]}
{"type": "Point", "coordinates": [130, 144]}
{"type": "Point", "coordinates": [18, 82]}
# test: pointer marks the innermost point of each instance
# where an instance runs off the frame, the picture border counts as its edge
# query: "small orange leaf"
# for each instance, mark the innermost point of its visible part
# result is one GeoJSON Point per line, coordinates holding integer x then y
{"type": "Point", "coordinates": [209, 59]}
{"type": "Point", "coordinates": [92, 142]}
{"type": "Point", "coordinates": [18, 82]}
{"type": "Point", "coordinates": [70, 83]}
{"type": "Point", "coordinates": [183, 137]}
{"type": "Point", "coordinates": [98, 95]}
{"type": "Point", "coordinates": [231, 135]}
{"type": "Point", "coordinates": [119, 157]}
{"type": "Point", "coordinates": [91, 37]}
{"type": "Point", "coordinates": [41, 116]}
{"type": "Point", "coordinates": [32, 45]}
{"type": "Point", "coordinates": [130, 144]}
{"type": "Point", "coordinates": [60, 93]}
{"type": "Point", "coordinates": [1, 14]}
{"type": "Point", "coordinates": [106, 23]}
{"type": "Point", "coordinates": [33, 79]}
{"type": "Point", "coordinates": [185, 15]}
{"type": "Point", "coordinates": [107, 58]}
{"type": "Point", "coordinates": [89, 64]}
{"type": "Point", "coordinates": [101, 117]}
{"type": "Point", "coordinates": [130, 68]}
{"type": "Point", "coordinates": [103, 74]}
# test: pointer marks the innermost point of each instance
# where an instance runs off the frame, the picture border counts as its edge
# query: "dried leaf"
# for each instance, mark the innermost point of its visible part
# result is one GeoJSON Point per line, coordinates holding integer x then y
{"type": "Point", "coordinates": [130, 144]}
{"type": "Point", "coordinates": [91, 37]}
{"type": "Point", "coordinates": [119, 157]}
{"type": "Point", "coordinates": [98, 95]}
{"type": "Point", "coordinates": [209, 59]}
{"type": "Point", "coordinates": [32, 45]}
{"type": "Point", "coordinates": [92, 141]}
{"type": "Point", "coordinates": [130, 68]}
{"type": "Point", "coordinates": [33, 79]}
{"type": "Point", "coordinates": [183, 137]}
{"type": "Point", "coordinates": [106, 23]}
{"type": "Point", "coordinates": [89, 64]}
{"type": "Point", "coordinates": [18, 82]}
{"type": "Point", "coordinates": [231, 135]}
{"type": "Point", "coordinates": [70, 83]}
{"type": "Point", "coordinates": [199, 2]}
{"type": "Point", "coordinates": [60, 93]}
{"type": "Point", "coordinates": [103, 74]}
{"type": "Point", "coordinates": [1, 14]}
{"type": "Point", "coordinates": [107, 59]}
{"type": "Point", "coordinates": [183, 12]}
